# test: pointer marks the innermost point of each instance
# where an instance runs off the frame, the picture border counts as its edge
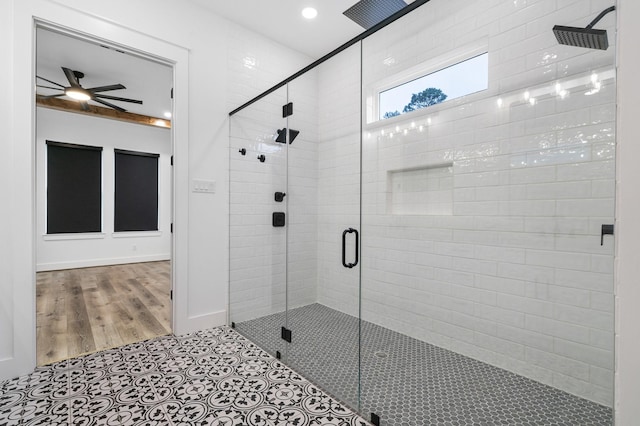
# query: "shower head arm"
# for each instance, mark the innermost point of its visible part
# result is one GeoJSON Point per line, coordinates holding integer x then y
{"type": "Point", "coordinates": [599, 17]}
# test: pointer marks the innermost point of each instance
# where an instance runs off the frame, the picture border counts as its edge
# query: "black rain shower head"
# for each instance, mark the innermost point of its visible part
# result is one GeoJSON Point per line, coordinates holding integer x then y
{"type": "Point", "coordinates": [282, 135]}
{"type": "Point", "coordinates": [588, 37]}
{"type": "Point", "coordinates": [293, 134]}
{"type": "Point", "coordinates": [368, 13]}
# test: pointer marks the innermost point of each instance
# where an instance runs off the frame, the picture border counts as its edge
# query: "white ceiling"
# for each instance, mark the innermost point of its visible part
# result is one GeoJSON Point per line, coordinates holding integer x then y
{"type": "Point", "coordinates": [144, 79]}
{"type": "Point", "coordinates": [281, 20]}
{"type": "Point", "coordinates": [151, 82]}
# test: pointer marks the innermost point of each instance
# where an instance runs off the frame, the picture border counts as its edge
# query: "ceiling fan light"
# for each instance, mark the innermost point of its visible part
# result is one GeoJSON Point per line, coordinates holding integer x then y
{"type": "Point", "coordinates": [77, 94]}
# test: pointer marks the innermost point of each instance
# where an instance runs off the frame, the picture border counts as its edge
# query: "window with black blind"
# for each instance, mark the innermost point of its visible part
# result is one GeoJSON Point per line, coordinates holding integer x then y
{"type": "Point", "coordinates": [74, 188]}
{"type": "Point", "coordinates": [136, 191]}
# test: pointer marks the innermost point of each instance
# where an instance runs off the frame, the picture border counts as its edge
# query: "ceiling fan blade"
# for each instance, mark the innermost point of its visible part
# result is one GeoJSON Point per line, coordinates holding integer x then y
{"type": "Point", "coordinates": [116, 107]}
{"type": "Point", "coordinates": [115, 98]}
{"type": "Point", "coordinates": [48, 87]}
{"type": "Point", "coordinates": [71, 77]}
{"type": "Point", "coordinates": [50, 96]}
{"type": "Point", "coordinates": [106, 88]}
{"type": "Point", "coordinates": [49, 81]}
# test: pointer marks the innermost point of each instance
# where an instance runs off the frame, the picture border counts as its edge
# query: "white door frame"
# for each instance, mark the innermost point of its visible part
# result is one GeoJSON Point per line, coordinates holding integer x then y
{"type": "Point", "coordinates": [166, 191]}
{"type": "Point", "coordinates": [19, 349]}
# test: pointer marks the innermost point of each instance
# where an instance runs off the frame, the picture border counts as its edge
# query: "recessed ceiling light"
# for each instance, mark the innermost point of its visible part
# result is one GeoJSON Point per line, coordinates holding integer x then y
{"type": "Point", "coordinates": [167, 114]}
{"type": "Point", "coordinates": [309, 12]}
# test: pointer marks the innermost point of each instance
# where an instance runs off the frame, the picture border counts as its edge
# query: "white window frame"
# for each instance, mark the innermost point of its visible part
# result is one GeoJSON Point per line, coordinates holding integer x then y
{"type": "Point", "coordinates": [456, 56]}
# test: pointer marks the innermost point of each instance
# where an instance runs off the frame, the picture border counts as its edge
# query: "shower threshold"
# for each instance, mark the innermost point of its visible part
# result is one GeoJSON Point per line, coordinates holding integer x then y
{"type": "Point", "coordinates": [408, 382]}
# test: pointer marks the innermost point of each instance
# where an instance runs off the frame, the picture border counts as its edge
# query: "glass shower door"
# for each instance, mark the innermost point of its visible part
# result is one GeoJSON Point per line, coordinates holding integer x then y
{"type": "Point", "coordinates": [487, 291]}
{"type": "Point", "coordinates": [257, 240]}
{"type": "Point", "coordinates": [323, 259]}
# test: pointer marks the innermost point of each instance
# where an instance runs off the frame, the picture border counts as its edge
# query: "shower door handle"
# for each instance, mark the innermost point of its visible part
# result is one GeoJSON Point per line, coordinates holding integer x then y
{"type": "Point", "coordinates": [344, 247]}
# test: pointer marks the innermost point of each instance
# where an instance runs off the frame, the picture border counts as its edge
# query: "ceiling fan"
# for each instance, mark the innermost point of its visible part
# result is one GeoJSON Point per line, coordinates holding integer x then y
{"type": "Point", "coordinates": [79, 93]}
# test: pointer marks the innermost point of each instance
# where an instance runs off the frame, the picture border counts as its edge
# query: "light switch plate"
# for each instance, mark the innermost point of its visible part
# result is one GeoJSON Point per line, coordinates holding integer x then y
{"type": "Point", "coordinates": [201, 185]}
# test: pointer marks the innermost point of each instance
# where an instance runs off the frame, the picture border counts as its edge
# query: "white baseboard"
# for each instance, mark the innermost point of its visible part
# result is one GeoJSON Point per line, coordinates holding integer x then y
{"type": "Point", "coordinates": [202, 322]}
{"type": "Point", "coordinates": [11, 368]}
{"type": "Point", "coordinates": [41, 267]}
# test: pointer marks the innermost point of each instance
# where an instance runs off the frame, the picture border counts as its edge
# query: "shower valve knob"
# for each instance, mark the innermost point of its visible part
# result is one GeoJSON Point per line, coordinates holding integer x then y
{"type": "Point", "coordinates": [243, 151]}
{"type": "Point", "coordinates": [261, 157]}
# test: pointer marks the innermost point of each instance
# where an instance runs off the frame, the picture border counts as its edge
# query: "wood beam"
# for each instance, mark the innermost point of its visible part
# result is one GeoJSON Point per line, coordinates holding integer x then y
{"type": "Point", "coordinates": [75, 107]}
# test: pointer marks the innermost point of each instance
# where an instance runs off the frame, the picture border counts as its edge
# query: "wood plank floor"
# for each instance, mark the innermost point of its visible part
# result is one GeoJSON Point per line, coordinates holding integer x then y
{"type": "Point", "coordinates": [86, 310]}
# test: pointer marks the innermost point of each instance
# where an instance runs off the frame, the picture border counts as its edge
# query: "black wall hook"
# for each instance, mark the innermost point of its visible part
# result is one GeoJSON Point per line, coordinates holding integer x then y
{"type": "Point", "coordinates": [261, 157]}
{"type": "Point", "coordinates": [243, 151]}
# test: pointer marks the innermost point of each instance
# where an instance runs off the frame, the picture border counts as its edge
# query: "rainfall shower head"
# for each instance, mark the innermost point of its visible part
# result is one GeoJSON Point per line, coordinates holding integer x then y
{"type": "Point", "coordinates": [584, 37]}
{"type": "Point", "coordinates": [282, 135]}
{"type": "Point", "coordinates": [368, 13]}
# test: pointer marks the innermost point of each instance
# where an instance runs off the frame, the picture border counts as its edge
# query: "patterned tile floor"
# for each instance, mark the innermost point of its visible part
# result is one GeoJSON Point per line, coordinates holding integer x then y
{"type": "Point", "coordinates": [408, 382]}
{"type": "Point", "coordinates": [214, 377]}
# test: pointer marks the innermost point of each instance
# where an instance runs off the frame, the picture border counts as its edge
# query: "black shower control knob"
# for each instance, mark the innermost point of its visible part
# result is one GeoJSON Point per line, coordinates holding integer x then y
{"type": "Point", "coordinates": [261, 157]}
{"type": "Point", "coordinates": [243, 151]}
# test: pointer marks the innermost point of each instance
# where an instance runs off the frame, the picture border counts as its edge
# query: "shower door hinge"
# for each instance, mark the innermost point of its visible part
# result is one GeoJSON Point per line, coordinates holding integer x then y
{"type": "Point", "coordinates": [172, 160]}
{"type": "Point", "coordinates": [287, 110]}
{"type": "Point", "coordinates": [172, 228]}
{"type": "Point", "coordinates": [171, 295]}
{"type": "Point", "coordinates": [172, 93]}
{"type": "Point", "coordinates": [375, 419]}
{"type": "Point", "coordinates": [286, 334]}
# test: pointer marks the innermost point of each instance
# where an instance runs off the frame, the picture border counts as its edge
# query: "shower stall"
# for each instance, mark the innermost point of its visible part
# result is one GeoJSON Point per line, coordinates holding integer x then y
{"type": "Point", "coordinates": [421, 224]}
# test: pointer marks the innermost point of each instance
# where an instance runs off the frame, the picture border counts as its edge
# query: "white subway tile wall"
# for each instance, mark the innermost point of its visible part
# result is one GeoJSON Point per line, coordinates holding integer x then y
{"type": "Point", "coordinates": [506, 266]}
{"type": "Point", "coordinates": [257, 250]}
{"type": "Point", "coordinates": [339, 177]}
{"type": "Point", "coordinates": [520, 279]}
{"type": "Point", "coordinates": [258, 255]}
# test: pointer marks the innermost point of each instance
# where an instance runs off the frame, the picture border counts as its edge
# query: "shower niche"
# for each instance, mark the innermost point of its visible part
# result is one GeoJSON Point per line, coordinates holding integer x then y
{"type": "Point", "coordinates": [480, 287]}
{"type": "Point", "coordinates": [421, 191]}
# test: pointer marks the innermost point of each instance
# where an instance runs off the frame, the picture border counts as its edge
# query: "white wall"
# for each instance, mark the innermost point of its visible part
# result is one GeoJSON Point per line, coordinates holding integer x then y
{"type": "Point", "coordinates": [11, 303]}
{"type": "Point", "coordinates": [339, 179]}
{"type": "Point", "coordinates": [77, 251]}
{"type": "Point", "coordinates": [627, 387]}
{"type": "Point", "coordinates": [257, 250]}
{"type": "Point", "coordinates": [265, 258]}
{"type": "Point", "coordinates": [515, 274]}
{"type": "Point", "coordinates": [210, 80]}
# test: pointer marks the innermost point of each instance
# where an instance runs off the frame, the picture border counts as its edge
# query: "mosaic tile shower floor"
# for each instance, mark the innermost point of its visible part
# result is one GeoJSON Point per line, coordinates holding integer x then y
{"type": "Point", "coordinates": [215, 377]}
{"type": "Point", "coordinates": [408, 382]}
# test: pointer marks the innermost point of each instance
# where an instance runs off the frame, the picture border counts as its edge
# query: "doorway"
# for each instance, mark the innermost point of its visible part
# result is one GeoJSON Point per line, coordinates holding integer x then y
{"type": "Point", "coordinates": [107, 282]}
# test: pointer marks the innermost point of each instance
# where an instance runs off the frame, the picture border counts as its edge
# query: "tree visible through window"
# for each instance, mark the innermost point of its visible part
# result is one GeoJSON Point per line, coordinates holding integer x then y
{"type": "Point", "coordinates": [427, 97]}
{"type": "Point", "coordinates": [463, 78]}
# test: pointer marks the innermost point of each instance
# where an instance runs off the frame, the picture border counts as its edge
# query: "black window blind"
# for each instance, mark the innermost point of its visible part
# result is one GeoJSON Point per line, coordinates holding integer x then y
{"type": "Point", "coordinates": [136, 191]}
{"type": "Point", "coordinates": [74, 188]}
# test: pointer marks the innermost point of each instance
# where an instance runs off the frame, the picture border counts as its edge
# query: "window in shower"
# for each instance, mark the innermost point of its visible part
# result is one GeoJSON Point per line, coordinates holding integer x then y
{"type": "Point", "coordinates": [454, 81]}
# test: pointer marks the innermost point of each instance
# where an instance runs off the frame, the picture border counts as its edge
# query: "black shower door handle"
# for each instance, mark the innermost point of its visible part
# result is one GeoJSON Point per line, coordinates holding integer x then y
{"type": "Point", "coordinates": [344, 247]}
